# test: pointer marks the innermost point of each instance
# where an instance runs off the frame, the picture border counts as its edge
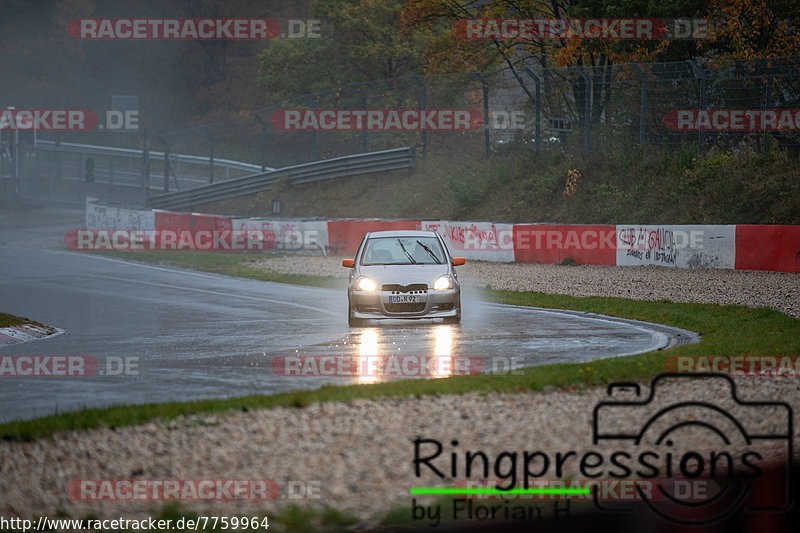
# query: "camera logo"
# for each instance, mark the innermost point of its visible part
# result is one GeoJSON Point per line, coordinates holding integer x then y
{"type": "Point", "coordinates": [741, 449]}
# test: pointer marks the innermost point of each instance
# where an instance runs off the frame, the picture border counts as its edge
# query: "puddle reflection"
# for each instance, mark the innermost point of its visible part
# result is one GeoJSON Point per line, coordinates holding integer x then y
{"type": "Point", "coordinates": [374, 351]}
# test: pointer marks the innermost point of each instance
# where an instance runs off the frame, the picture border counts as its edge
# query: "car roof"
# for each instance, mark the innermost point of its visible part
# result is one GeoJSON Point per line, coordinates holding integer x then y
{"type": "Point", "coordinates": [402, 233]}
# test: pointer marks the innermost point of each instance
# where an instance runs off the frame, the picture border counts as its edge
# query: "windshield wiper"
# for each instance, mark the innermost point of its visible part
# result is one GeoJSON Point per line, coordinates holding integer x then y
{"type": "Point", "coordinates": [406, 252]}
{"type": "Point", "coordinates": [438, 261]}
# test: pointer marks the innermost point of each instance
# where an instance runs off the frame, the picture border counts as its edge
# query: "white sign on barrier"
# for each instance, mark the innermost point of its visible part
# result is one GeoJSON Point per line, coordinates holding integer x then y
{"type": "Point", "coordinates": [305, 236]}
{"type": "Point", "coordinates": [106, 217]}
{"type": "Point", "coordinates": [484, 241]}
{"type": "Point", "coordinates": [682, 246]}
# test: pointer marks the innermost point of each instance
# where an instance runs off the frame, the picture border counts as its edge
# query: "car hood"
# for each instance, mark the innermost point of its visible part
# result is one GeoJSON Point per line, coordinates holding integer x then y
{"type": "Point", "coordinates": [403, 274]}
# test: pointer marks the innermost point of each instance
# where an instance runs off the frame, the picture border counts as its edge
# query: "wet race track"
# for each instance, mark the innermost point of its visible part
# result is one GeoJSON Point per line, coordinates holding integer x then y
{"type": "Point", "coordinates": [190, 335]}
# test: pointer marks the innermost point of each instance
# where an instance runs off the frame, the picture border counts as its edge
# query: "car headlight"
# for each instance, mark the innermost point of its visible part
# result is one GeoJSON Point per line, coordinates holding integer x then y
{"type": "Point", "coordinates": [442, 283]}
{"type": "Point", "coordinates": [365, 284]}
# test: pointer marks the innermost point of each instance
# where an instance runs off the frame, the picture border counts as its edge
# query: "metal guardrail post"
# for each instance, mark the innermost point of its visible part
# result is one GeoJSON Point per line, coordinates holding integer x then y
{"type": "Point", "coordinates": [485, 87]}
{"type": "Point", "coordinates": [538, 125]}
{"type": "Point", "coordinates": [700, 74]}
{"type": "Point", "coordinates": [211, 155]}
{"type": "Point", "coordinates": [642, 103]}
{"type": "Point", "coordinates": [587, 111]}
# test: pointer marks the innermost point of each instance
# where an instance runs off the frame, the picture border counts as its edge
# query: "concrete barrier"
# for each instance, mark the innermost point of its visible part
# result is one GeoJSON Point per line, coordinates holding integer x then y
{"type": "Point", "coordinates": [751, 247]}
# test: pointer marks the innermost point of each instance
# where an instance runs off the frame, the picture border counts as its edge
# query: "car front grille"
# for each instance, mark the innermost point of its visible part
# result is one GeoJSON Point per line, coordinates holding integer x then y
{"type": "Point", "coordinates": [417, 307]}
{"type": "Point", "coordinates": [414, 288]}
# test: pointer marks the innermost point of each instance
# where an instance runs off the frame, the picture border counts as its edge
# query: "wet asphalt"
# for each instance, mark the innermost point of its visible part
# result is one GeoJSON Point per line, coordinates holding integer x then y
{"type": "Point", "coordinates": [162, 334]}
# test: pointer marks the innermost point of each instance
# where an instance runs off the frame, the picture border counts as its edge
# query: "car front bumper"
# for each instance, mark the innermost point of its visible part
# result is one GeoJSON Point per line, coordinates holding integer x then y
{"type": "Point", "coordinates": [434, 304]}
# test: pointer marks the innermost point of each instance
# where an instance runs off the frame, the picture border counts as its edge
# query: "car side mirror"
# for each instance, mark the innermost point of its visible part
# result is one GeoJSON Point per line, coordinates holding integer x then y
{"type": "Point", "coordinates": [458, 261]}
{"type": "Point", "coordinates": [348, 263]}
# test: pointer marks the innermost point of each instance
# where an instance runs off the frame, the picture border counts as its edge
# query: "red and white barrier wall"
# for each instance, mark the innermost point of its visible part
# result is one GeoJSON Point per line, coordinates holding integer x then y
{"type": "Point", "coordinates": [748, 247]}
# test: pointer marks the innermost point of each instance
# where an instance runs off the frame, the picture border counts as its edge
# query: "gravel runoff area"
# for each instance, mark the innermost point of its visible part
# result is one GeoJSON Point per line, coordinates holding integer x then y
{"type": "Point", "coordinates": [753, 288]}
{"type": "Point", "coordinates": [361, 452]}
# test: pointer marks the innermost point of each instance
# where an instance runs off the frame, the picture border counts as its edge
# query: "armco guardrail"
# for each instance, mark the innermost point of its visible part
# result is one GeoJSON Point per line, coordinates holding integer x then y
{"type": "Point", "coordinates": [351, 165]}
{"type": "Point", "coordinates": [91, 149]}
{"type": "Point", "coordinates": [67, 173]}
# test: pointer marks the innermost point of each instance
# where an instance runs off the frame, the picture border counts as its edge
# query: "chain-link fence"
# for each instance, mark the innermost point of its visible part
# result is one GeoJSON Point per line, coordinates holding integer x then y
{"type": "Point", "coordinates": [573, 109]}
{"type": "Point", "coordinates": [546, 109]}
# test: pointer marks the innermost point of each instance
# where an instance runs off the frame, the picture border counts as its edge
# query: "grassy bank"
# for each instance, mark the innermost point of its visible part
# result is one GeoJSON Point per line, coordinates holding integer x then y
{"type": "Point", "coordinates": [623, 184]}
{"type": "Point", "coordinates": [227, 263]}
{"type": "Point", "coordinates": [724, 329]}
{"type": "Point", "coordinates": [7, 320]}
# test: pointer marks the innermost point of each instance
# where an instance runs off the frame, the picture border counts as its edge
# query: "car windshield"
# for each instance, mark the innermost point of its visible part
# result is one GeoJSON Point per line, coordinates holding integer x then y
{"type": "Point", "coordinates": [402, 251]}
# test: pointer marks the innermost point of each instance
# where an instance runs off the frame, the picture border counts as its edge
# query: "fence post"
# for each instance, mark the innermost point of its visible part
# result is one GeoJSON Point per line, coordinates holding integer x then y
{"type": "Point", "coordinates": [211, 155]}
{"type": "Point", "coordinates": [310, 104]}
{"type": "Point", "coordinates": [538, 125]}
{"type": "Point", "coordinates": [58, 159]}
{"type": "Point", "coordinates": [263, 140]}
{"type": "Point", "coordinates": [642, 103]}
{"type": "Point", "coordinates": [145, 166]}
{"type": "Point", "coordinates": [110, 178]}
{"type": "Point", "coordinates": [166, 161]}
{"type": "Point", "coordinates": [13, 163]}
{"type": "Point", "coordinates": [363, 106]}
{"type": "Point", "coordinates": [699, 73]}
{"type": "Point", "coordinates": [587, 119]}
{"type": "Point", "coordinates": [767, 94]}
{"type": "Point", "coordinates": [486, 142]}
{"type": "Point", "coordinates": [423, 104]}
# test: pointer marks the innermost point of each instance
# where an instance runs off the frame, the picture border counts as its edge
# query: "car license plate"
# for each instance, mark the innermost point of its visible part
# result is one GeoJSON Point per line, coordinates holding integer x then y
{"type": "Point", "coordinates": [404, 299]}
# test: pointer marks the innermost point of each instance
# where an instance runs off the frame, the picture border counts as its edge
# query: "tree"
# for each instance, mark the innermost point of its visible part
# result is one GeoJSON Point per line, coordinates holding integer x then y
{"type": "Point", "coordinates": [753, 28]}
{"type": "Point", "coordinates": [366, 45]}
{"type": "Point", "coordinates": [448, 51]}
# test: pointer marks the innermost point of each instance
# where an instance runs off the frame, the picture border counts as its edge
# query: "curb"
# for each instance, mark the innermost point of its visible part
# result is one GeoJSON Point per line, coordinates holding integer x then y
{"type": "Point", "coordinates": [26, 333]}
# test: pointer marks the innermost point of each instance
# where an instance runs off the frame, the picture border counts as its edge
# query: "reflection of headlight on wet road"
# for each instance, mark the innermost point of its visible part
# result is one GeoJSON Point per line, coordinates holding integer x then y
{"type": "Point", "coordinates": [368, 347]}
{"type": "Point", "coordinates": [369, 342]}
{"type": "Point", "coordinates": [442, 350]}
{"type": "Point", "coordinates": [444, 340]}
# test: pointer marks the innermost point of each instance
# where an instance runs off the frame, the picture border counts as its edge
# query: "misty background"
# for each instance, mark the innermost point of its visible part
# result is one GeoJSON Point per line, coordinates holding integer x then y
{"type": "Point", "coordinates": [179, 83]}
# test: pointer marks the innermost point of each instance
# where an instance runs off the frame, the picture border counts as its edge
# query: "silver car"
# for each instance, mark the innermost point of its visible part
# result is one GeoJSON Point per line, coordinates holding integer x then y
{"type": "Point", "coordinates": [403, 274]}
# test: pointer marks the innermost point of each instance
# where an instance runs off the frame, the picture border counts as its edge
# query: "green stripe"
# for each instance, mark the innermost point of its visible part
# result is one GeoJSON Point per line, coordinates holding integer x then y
{"type": "Point", "coordinates": [440, 490]}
